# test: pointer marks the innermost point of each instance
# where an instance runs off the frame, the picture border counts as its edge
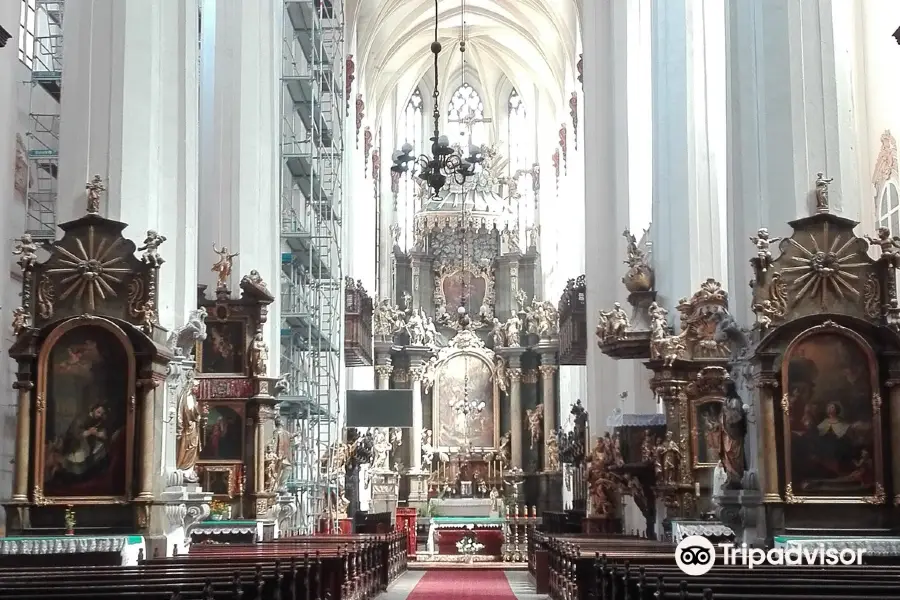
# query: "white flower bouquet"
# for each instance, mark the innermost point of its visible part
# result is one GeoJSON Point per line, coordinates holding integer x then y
{"type": "Point", "coordinates": [468, 545]}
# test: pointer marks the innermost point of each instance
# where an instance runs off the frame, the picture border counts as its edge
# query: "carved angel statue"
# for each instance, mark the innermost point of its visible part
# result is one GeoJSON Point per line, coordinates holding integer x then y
{"type": "Point", "coordinates": [634, 256]}
{"type": "Point", "coordinates": [427, 449]}
{"type": "Point", "coordinates": [521, 299]}
{"type": "Point", "coordinates": [762, 241]}
{"type": "Point", "coordinates": [184, 339]}
{"type": "Point", "coordinates": [822, 192]}
{"type": "Point", "coordinates": [659, 322]}
{"type": "Point", "coordinates": [429, 332]}
{"type": "Point", "coordinates": [188, 441]}
{"type": "Point", "coordinates": [512, 332]}
{"type": "Point", "coordinates": [382, 449]}
{"type": "Point", "coordinates": [551, 451]}
{"type": "Point", "coordinates": [272, 468]}
{"type": "Point", "coordinates": [503, 450]}
{"type": "Point", "coordinates": [765, 313]}
{"type": "Point", "coordinates": [150, 249]}
{"type": "Point", "coordinates": [223, 266]}
{"type": "Point", "coordinates": [535, 423]}
{"type": "Point", "coordinates": [26, 250]}
{"type": "Point", "coordinates": [497, 334]}
{"type": "Point", "coordinates": [892, 315]}
{"type": "Point", "coordinates": [259, 353]}
{"type": "Point", "coordinates": [21, 321]}
{"type": "Point", "coordinates": [890, 245]}
{"type": "Point", "coordinates": [500, 374]}
{"type": "Point", "coordinates": [612, 324]}
{"type": "Point", "coordinates": [416, 329]}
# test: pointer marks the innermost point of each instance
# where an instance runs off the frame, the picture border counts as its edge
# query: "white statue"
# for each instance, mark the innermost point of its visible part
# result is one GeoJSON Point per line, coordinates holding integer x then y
{"type": "Point", "coordinates": [762, 241]}
{"type": "Point", "coordinates": [184, 339]}
{"type": "Point", "coordinates": [416, 328]}
{"type": "Point", "coordinates": [429, 374]}
{"type": "Point", "coordinates": [659, 325]}
{"type": "Point", "coordinates": [382, 447]}
{"type": "Point", "coordinates": [521, 299]}
{"type": "Point", "coordinates": [427, 449]}
{"type": "Point", "coordinates": [512, 332]}
{"type": "Point", "coordinates": [430, 331]}
{"type": "Point", "coordinates": [497, 334]}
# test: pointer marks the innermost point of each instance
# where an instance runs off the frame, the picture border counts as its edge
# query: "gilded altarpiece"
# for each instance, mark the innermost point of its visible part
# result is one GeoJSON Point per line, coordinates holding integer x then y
{"type": "Point", "coordinates": [90, 359]}
{"type": "Point", "coordinates": [827, 368]}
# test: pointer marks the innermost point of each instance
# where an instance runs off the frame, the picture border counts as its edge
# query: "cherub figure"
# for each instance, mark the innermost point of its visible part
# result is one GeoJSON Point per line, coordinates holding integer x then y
{"type": "Point", "coordinates": [223, 266]}
{"type": "Point", "coordinates": [26, 250]}
{"type": "Point", "coordinates": [765, 313]}
{"type": "Point", "coordinates": [762, 241]}
{"type": "Point", "coordinates": [890, 245]}
{"type": "Point", "coordinates": [150, 249]}
{"type": "Point", "coordinates": [822, 192]}
{"type": "Point", "coordinates": [20, 321]}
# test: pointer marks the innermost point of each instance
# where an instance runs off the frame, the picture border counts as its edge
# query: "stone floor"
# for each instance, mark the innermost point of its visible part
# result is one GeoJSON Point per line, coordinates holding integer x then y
{"type": "Point", "coordinates": [518, 580]}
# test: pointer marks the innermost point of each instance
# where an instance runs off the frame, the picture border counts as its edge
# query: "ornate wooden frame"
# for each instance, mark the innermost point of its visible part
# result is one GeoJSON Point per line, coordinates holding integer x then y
{"type": "Point", "coordinates": [245, 345]}
{"type": "Point", "coordinates": [40, 419]}
{"type": "Point", "coordinates": [695, 405]}
{"type": "Point", "coordinates": [237, 406]}
{"type": "Point", "coordinates": [233, 477]}
{"type": "Point", "coordinates": [830, 327]}
{"type": "Point", "coordinates": [436, 422]}
{"type": "Point", "coordinates": [477, 272]}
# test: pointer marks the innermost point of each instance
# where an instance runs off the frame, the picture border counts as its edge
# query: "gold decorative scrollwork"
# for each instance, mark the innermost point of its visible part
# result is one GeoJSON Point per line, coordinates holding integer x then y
{"type": "Point", "coordinates": [872, 296]}
{"type": "Point", "coordinates": [879, 496]}
{"type": "Point", "coordinates": [778, 295]}
{"type": "Point", "coordinates": [789, 496]}
{"type": "Point", "coordinates": [785, 404]}
{"type": "Point", "coordinates": [39, 403]}
{"type": "Point", "coordinates": [39, 498]}
{"type": "Point", "coordinates": [45, 297]}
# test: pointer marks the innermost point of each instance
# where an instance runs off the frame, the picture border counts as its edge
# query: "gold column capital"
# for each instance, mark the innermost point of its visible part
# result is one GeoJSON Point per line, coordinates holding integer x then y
{"type": "Point", "coordinates": [384, 370]}
{"type": "Point", "coordinates": [548, 371]}
{"type": "Point", "coordinates": [515, 374]}
{"type": "Point", "coordinates": [416, 373]}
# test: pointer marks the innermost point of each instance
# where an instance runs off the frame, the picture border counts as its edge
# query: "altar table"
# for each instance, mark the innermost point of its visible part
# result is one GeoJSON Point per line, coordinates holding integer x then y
{"type": "Point", "coordinates": [459, 524]}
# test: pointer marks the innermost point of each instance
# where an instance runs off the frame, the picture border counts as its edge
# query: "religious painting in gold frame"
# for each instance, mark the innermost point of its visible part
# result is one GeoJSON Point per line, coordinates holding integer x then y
{"type": "Point", "coordinates": [224, 351]}
{"type": "Point", "coordinates": [831, 418]}
{"type": "Point", "coordinates": [449, 387]}
{"type": "Point", "coordinates": [464, 286]}
{"type": "Point", "coordinates": [221, 480]}
{"type": "Point", "coordinates": [706, 431]}
{"type": "Point", "coordinates": [223, 425]}
{"type": "Point", "coordinates": [84, 423]}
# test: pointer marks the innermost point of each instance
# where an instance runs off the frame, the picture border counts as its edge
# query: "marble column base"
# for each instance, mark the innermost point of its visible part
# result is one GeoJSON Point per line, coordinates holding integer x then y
{"type": "Point", "coordinates": [418, 488]}
{"type": "Point", "coordinates": [385, 489]}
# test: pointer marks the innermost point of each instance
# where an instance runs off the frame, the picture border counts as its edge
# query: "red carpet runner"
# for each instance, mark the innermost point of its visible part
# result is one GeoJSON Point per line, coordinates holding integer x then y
{"type": "Point", "coordinates": [462, 584]}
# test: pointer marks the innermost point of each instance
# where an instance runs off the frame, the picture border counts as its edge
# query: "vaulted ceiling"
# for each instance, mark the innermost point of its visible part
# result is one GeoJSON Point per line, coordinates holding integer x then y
{"type": "Point", "coordinates": [528, 42]}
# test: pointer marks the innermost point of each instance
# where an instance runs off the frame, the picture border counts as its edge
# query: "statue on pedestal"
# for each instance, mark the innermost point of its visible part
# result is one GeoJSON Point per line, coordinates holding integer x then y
{"type": "Point", "coordinates": [187, 430]}
{"type": "Point", "coordinates": [223, 266]}
{"type": "Point", "coordinates": [382, 449]}
{"type": "Point", "coordinates": [259, 352]}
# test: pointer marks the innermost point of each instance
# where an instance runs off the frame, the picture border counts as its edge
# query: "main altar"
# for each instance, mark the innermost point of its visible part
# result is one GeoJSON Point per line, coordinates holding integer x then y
{"type": "Point", "coordinates": [465, 328]}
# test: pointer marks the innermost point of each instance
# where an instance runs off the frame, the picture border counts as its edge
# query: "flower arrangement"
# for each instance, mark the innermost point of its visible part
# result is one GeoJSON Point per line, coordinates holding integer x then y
{"type": "Point", "coordinates": [219, 510]}
{"type": "Point", "coordinates": [469, 545]}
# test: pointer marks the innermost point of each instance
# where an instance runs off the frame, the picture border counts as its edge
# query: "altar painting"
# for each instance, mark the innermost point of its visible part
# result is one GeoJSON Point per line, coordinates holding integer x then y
{"type": "Point", "coordinates": [832, 433]}
{"type": "Point", "coordinates": [86, 425]}
{"type": "Point", "coordinates": [450, 389]}
{"type": "Point", "coordinates": [223, 432]}
{"type": "Point", "coordinates": [707, 432]}
{"type": "Point", "coordinates": [464, 288]}
{"type": "Point", "coordinates": [222, 352]}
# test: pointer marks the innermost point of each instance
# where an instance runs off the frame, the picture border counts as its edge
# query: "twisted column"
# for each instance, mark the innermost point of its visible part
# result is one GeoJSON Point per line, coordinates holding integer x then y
{"type": "Point", "coordinates": [515, 415]}
{"type": "Point", "coordinates": [549, 398]}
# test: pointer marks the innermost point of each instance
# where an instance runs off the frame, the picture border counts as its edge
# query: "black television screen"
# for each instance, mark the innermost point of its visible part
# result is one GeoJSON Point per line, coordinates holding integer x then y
{"type": "Point", "coordinates": [379, 408]}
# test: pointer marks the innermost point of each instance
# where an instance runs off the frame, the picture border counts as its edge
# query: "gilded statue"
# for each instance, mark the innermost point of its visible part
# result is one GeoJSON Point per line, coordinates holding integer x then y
{"type": "Point", "coordinates": [765, 312]}
{"type": "Point", "coordinates": [272, 468]}
{"type": "Point", "coordinates": [659, 322]}
{"type": "Point", "coordinates": [639, 277]}
{"type": "Point", "coordinates": [282, 441]}
{"type": "Point", "coordinates": [188, 441]}
{"type": "Point", "coordinates": [223, 266]}
{"type": "Point", "coordinates": [551, 451]}
{"type": "Point", "coordinates": [94, 189]}
{"type": "Point", "coordinates": [387, 319]}
{"type": "Point", "coordinates": [612, 325]}
{"type": "Point", "coordinates": [535, 423]}
{"type": "Point", "coordinates": [604, 486]}
{"type": "Point", "coordinates": [668, 460]}
{"type": "Point", "coordinates": [543, 319]}
{"type": "Point", "coordinates": [259, 355]}
{"type": "Point", "coordinates": [150, 249]}
{"type": "Point", "coordinates": [762, 241]}
{"type": "Point", "coordinates": [20, 321]}
{"type": "Point", "coordinates": [26, 250]}
{"type": "Point", "coordinates": [512, 326]}
{"type": "Point", "coordinates": [733, 431]}
{"type": "Point", "coordinates": [822, 192]}
{"type": "Point", "coordinates": [890, 245]}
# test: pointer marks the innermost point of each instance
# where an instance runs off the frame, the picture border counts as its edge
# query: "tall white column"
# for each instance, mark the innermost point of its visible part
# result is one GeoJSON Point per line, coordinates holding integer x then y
{"type": "Point", "coordinates": [415, 377]}
{"type": "Point", "coordinates": [688, 47]}
{"type": "Point", "coordinates": [239, 132]}
{"type": "Point", "coordinates": [791, 114]}
{"type": "Point", "coordinates": [129, 114]}
{"type": "Point", "coordinates": [610, 40]}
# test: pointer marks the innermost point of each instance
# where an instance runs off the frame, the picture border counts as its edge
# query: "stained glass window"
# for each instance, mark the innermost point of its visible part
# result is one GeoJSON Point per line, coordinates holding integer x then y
{"type": "Point", "coordinates": [465, 116]}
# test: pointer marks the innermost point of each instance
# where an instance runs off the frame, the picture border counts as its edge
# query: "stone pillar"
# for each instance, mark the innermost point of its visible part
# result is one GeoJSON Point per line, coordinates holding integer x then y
{"type": "Point", "coordinates": [129, 114]}
{"type": "Point", "coordinates": [383, 373]}
{"type": "Point", "coordinates": [23, 440]}
{"type": "Point", "coordinates": [768, 471]}
{"type": "Point", "coordinates": [513, 357]}
{"type": "Point", "coordinates": [548, 380]}
{"type": "Point", "coordinates": [688, 47]}
{"type": "Point", "coordinates": [791, 114]}
{"type": "Point", "coordinates": [239, 133]}
{"type": "Point", "coordinates": [417, 357]}
{"type": "Point", "coordinates": [616, 84]}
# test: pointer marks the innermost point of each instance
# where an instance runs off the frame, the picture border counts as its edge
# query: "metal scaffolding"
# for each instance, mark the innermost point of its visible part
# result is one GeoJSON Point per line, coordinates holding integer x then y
{"type": "Point", "coordinates": [312, 144]}
{"type": "Point", "coordinates": [44, 111]}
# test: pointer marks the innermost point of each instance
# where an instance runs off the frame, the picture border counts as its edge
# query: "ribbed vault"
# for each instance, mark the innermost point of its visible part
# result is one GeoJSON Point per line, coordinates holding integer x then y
{"type": "Point", "coordinates": [530, 43]}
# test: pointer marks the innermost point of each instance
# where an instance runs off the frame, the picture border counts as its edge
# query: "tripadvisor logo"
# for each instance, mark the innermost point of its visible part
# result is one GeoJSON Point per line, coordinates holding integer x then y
{"type": "Point", "coordinates": [695, 555]}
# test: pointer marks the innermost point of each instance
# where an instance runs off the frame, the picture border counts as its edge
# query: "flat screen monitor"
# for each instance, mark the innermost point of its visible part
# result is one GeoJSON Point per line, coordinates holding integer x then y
{"type": "Point", "coordinates": [379, 408]}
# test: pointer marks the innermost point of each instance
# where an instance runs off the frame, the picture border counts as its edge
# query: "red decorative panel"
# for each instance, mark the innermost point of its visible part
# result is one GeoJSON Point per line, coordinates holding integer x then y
{"type": "Point", "coordinates": [491, 538]}
{"type": "Point", "coordinates": [406, 520]}
{"type": "Point", "coordinates": [214, 388]}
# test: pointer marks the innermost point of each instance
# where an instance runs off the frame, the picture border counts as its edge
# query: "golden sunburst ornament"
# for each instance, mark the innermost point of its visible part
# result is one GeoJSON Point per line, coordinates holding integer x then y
{"type": "Point", "coordinates": [825, 267]}
{"type": "Point", "coordinates": [92, 272]}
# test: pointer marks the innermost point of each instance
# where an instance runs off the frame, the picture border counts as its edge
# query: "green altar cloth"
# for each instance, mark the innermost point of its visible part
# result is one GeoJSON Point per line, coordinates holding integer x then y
{"type": "Point", "coordinates": [463, 521]}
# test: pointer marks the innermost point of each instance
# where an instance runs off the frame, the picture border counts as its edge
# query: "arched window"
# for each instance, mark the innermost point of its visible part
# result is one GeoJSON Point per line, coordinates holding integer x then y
{"type": "Point", "coordinates": [889, 208]}
{"type": "Point", "coordinates": [412, 133]}
{"type": "Point", "coordinates": [465, 114]}
{"type": "Point", "coordinates": [517, 133]}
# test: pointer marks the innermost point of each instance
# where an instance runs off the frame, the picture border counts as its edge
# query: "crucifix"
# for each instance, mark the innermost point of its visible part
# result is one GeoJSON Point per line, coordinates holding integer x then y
{"type": "Point", "coordinates": [468, 122]}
